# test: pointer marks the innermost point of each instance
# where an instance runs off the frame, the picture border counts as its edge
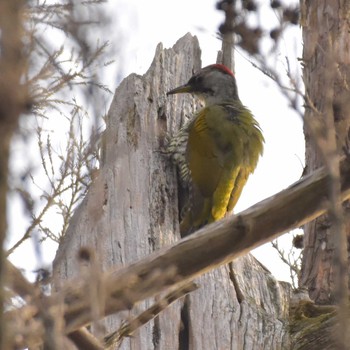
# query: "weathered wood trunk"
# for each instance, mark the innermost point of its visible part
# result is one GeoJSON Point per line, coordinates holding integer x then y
{"type": "Point", "coordinates": [326, 39]}
{"type": "Point", "coordinates": [132, 209]}
{"type": "Point", "coordinates": [326, 60]}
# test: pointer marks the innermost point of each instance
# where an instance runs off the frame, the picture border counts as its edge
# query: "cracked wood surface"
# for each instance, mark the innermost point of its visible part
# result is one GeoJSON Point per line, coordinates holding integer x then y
{"type": "Point", "coordinates": [131, 210]}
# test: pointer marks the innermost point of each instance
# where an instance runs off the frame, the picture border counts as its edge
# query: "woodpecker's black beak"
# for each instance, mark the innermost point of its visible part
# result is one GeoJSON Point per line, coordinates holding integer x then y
{"type": "Point", "coordinates": [181, 89]}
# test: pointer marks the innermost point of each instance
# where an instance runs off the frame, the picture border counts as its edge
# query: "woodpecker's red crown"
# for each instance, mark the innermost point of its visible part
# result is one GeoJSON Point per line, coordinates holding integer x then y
{"type": "Point", "coordinates": [222, 68]}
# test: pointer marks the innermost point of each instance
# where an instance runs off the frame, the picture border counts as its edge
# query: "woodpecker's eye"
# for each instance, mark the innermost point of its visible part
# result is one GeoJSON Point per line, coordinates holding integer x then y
{"type": "Point", "coordinates": [198, 84]}
{"type": "Point", "coordinates": [196, 81]}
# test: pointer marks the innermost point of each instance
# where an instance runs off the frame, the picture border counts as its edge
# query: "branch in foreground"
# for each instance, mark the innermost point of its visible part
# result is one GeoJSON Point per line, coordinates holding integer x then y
{"type": "Point", "coordinates": [15, 281]}
{"type": "Point", "coordinates": [220, 242]}
{"type": "Point", "coordinates": [205, 250]}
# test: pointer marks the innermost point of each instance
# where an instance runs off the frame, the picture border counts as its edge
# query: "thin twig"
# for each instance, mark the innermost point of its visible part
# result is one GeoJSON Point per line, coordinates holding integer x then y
{"type": "Point", "coordinates": [128, 328]}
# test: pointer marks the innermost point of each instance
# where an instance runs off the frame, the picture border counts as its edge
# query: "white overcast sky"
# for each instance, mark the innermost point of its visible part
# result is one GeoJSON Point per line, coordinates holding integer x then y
{"type": "Point", "coordinates": [140, 25]}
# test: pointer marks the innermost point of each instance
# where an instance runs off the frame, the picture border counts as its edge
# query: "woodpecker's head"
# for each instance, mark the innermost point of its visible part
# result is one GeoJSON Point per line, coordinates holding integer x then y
{"type": "Point", "coordinates": [214, 83]}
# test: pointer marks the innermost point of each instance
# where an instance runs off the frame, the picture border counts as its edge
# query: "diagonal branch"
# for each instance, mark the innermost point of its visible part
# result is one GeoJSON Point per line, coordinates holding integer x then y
{"type": "Point", "coordinates": [221, 242]}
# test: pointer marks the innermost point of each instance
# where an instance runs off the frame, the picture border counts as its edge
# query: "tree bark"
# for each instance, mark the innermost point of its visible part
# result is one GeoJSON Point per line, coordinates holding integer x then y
{"type": "Point", "coordinates": [326, 43]}
{"type": "Point", "coordinates": [132, 210]}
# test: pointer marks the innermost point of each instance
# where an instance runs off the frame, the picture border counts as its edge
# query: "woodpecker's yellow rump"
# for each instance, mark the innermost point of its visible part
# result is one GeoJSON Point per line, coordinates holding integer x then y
{"type": "Point", "coordinates": [223, 147]}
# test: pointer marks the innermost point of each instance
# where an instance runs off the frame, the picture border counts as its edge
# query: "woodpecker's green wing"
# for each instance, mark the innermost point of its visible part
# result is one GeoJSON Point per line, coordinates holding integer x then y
{"type": "Point", "coordinates": [223, 147]}
{"type": "Point", "coordinates": [253, 144]}
{"type": "Point", "coordinates": [214, 155]}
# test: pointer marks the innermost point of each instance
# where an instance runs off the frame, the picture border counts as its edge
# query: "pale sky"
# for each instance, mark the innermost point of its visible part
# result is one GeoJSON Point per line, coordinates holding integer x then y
{"type": "Point", "coordinates": [141, 25]}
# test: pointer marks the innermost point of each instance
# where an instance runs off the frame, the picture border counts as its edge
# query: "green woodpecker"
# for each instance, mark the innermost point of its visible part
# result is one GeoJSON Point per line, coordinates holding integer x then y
{"type": "Point", "coordinates": [224, 143]}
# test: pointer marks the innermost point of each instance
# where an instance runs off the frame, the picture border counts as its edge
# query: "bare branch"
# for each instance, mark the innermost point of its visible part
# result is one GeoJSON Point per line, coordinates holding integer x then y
{"type": "Point", "coordinates": [292, 261]}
